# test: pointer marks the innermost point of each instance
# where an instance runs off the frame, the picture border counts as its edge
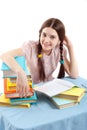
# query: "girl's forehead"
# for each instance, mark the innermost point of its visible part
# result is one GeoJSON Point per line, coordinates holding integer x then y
{"type": "Point", "coordinates": [49, 30]}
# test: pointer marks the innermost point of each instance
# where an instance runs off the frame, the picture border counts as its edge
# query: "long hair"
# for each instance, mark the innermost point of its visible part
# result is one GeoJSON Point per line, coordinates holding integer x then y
{"type": "Point", "coordinates": [58, 26]}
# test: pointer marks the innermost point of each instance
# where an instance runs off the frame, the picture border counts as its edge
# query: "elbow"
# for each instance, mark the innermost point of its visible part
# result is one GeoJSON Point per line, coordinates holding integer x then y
{"type": "Point", "coordinates": [74, 76]}
{"type": "Point", "coordinates": [1, 57]}
{"type": "Point", "coordinates": [4, 57]}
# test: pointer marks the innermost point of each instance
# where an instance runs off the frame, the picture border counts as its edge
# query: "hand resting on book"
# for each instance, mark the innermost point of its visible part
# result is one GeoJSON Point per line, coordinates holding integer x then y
{"type": "Point", "coordinates": [22, 85]}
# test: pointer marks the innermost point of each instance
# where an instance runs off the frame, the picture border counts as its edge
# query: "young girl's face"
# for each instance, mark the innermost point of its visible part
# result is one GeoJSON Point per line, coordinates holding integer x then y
{"type": "Point", "coordinates": [49, 39]}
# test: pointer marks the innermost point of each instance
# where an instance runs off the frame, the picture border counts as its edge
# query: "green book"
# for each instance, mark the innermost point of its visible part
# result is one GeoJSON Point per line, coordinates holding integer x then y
{"type": "Point", "coordinates": [63, 103]}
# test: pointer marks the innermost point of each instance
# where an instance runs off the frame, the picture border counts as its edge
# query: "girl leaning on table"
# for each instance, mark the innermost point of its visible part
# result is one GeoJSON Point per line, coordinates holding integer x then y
{"type": "Point", "coordinates": [43, 56]}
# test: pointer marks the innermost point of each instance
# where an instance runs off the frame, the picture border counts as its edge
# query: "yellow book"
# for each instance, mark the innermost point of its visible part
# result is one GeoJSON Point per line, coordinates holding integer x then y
{"type": "Point", "coordinates": [6, 102]}
{"type": "Point", "coordinates": [75, 93]}
{"type": "Point", "coordinates": [12, 85]}
{"type": "Point", "coordinates": [11, 92]}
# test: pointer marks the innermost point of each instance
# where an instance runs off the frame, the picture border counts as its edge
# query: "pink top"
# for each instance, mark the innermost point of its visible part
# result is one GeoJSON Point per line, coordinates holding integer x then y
{"type": "Point", "coordinates": [50, 62]}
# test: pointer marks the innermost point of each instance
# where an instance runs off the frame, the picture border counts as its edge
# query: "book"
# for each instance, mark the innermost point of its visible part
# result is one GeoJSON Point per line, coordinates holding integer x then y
{"type": "Point", "coordinates": [6, 102]}
{"type": "Point", "coordinates": [7, 72]}
{"type": "Point", "coordinates": [13, 79]}
{"type": "Point", "coordinates": [54, 87]}
{"type": "Point", "coordinates": [16, 95]}
{"type": "Point", "coordinates": [75, 93]}
{"type": "Point", "coordinates": [11, 74]}
{"type": "Point", "coordinates": [62, 102]}
{"type": "Point", "coordinates": [32, 99]}
{"type": "Point", "coordinates": [6, 88]}
{"type": "Point", "coordinates": [10, 91]}
{"type": "Point", "coordinates": [11, 84]}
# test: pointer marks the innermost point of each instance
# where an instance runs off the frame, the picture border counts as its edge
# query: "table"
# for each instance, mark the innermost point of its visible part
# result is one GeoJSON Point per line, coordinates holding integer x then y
{"type": "Point", "coordinates": [43, 115]}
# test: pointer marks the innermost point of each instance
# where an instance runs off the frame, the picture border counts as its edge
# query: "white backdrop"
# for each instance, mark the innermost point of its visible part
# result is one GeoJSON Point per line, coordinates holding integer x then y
{"type": "Point", "coordinates": [20, 20]}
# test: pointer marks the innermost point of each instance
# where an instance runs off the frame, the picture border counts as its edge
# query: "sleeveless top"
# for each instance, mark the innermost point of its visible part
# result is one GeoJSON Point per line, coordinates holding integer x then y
{"type": "Point", "coordinates": [50, 62]}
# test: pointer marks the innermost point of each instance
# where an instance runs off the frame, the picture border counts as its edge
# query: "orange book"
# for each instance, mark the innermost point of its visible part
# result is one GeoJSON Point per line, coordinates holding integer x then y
{"type": "Point", "coordinates": [6, 88]}
{"type": "Point", "coordinates": [10, 91]}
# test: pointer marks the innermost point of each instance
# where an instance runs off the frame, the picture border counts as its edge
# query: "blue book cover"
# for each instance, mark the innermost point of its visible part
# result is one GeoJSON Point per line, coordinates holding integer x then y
{"type": "Point", "coordinates": [31, 99]}
{"type": "Point", "coordinates": [62, 102]}
{"type": "Point", "coordinates": [21, 61]}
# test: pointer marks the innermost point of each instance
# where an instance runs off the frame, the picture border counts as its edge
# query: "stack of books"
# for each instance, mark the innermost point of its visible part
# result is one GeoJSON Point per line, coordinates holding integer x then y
{"type": "Point", "coordinates": [62, 93]}
{"type": "Point", "coordinates": [10, 97]}
{"type": "Point", "coordinates": [69, 98]}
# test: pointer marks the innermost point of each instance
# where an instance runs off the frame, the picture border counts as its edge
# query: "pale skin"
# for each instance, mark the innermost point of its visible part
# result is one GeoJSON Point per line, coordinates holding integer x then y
{"type": "Point", "coordinates": [49, 39]}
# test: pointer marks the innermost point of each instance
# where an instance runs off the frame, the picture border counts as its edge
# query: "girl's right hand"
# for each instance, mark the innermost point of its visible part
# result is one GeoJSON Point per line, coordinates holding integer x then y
{"type": "Point", "coordinates": [22, 85]}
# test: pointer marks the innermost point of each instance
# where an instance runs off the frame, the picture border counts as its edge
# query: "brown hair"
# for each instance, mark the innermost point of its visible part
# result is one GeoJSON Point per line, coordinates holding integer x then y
{"type": "Point", "coordinates": [58, 26]}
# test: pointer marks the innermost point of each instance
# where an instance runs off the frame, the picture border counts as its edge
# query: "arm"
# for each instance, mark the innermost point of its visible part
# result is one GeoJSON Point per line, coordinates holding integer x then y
{"type": "Point", "coordinates": [71, 66]}
{"type": "Point", "coordinates": [22, 83]}
{"type": "Point", "coordinates": [8, 58]}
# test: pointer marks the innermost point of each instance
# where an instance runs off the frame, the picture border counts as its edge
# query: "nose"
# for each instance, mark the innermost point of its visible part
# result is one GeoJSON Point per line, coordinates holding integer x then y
{"type": "Point", "coordinates": [47, 39]}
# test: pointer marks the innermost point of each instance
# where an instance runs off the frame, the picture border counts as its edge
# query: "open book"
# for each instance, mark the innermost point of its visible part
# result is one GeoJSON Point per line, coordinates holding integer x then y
{"type": "Point", "coordinates": [54, 87]}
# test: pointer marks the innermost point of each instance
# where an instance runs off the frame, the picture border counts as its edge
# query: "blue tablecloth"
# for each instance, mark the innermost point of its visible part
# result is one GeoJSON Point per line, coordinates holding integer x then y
{"type": "Point", "coordinates": [45, 116]}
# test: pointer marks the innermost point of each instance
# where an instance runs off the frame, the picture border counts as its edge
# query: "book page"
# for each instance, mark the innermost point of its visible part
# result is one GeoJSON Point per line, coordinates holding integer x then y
{"type": "Point", "coordinates": [54, 87]}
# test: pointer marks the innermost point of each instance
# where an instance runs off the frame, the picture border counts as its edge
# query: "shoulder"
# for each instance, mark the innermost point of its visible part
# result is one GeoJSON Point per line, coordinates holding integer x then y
{"type": "Point", "coordinates": [29, 47]}
{"type": "Point", "coordinates": [30, 43]}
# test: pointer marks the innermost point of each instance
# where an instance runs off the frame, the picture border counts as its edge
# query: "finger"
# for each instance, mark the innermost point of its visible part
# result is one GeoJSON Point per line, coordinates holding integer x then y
{"type": "Point", "coordinates": [29, 91]}
{"type": "Point", "coordinates": [25, 92]}
{"type": "Point", "coordinates": [21, 91]}
{"type": "Point", "coordinates": [17, 88]}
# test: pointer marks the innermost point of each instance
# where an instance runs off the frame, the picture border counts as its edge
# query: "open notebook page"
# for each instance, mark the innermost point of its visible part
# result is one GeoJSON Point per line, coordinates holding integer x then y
{"type": "Point", "coordinates": [54, 87]}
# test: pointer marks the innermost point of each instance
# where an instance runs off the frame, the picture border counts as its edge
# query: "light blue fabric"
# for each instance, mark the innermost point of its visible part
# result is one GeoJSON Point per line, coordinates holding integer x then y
{"type": "Point", "coordinates": [45, 116]}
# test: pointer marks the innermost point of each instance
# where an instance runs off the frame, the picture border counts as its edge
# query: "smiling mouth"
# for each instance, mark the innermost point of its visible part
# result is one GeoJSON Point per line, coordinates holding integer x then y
{"type": "Point", "coordinates": [46, 45]}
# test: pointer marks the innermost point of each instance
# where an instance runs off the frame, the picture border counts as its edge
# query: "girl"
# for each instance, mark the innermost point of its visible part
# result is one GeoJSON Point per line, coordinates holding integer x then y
{"type": "Point", "coordinates": [43, 56]}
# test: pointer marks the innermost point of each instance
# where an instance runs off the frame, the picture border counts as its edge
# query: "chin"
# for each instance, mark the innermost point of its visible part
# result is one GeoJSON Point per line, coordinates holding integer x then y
{"type": "Point", "coordinates": [47, 48]}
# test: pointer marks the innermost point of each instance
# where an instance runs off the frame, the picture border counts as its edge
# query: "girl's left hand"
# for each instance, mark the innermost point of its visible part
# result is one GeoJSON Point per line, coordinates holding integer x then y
{"type": "Point", "coordinates": [67, 42]}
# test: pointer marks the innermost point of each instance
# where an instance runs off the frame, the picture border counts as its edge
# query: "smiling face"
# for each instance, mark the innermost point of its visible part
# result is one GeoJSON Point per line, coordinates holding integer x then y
{"type": "Point", "coordinates": [49, 39]}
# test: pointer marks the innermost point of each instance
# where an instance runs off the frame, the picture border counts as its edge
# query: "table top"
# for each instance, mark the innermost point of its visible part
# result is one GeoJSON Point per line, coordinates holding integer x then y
{"type": "Point", "coordinates": [44, 115]}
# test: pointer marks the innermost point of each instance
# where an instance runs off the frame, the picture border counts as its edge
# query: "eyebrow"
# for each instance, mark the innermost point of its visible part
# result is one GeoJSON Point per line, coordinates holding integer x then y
{"type": "Point", "coordinates": [50, 34]}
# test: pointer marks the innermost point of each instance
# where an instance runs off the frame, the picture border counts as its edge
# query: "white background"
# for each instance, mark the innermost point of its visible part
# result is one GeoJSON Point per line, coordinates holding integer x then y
{"type": "Point", "coordinates": [20, 20]}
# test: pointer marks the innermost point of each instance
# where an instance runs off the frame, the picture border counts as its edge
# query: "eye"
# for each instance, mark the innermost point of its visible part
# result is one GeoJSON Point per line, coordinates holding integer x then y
{"type": "Point", "coordinates": [52, 36]}
{"type": "Point", "coordinates": [44, 34]}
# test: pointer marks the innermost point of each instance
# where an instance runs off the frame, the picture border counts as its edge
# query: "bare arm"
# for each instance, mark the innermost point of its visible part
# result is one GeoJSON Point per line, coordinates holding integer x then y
{"type": "Point", "coordinates": [71, 66]}
{"type": "Point", "coordinates": [22, 83]}
{"type": "Point", "coordinates": [8, 58]}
